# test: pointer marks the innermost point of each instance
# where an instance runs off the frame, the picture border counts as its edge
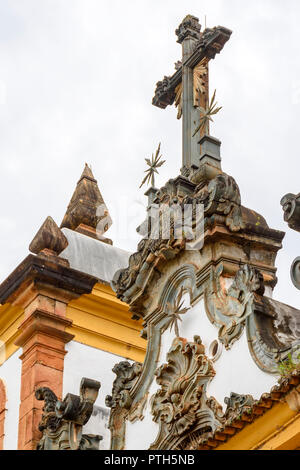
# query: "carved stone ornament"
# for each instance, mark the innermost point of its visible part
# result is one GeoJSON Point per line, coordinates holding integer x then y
{"type": "Point", "coordinates": [181, 406]}
{"type": "Point", "coordinates": [200, 73]}
{"type": "Point", "coordinates": [224, 198]}
{"type": "Point", "coordinates": [221, 196]}
{"type": "Point", "coordinates": [188, 28]}
{"type": "Point", "coordinates": [291, 208]}
{"type": "Point", "coordinates": [120, 401]}
{"type": "Point", "coordinates": [228, 309]}
{"type": "Point", "coordinates": [178, 100]}
{"type": "Point", "coordinates": [237, 405]}
{"type": "Point", "coordinates": [62, 421]}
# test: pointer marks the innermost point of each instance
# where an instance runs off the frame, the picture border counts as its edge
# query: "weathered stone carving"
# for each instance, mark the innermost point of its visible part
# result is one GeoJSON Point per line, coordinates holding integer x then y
{"type": "Point", "coordinates": [50, 238]}
{"type": "Point", "coordinates": [62, 421]}
{"type": "Point", "coordinates": [237, 405]}
{"type": "Point", "coordinates": [178, 100]}
{"type": "Point", "coordinates": [188, 28]}
{"type": "Point", "coordinates": [228, 309]}
{"type": "Point", "coordinates": [181, 406]}
{"type": "Point", "coordinates": [132, 280]}
{"type": "Point", "coordinates": [164, 93]}
{"type": "Point", "coordinates": [199, 74]}
{"type": "Point", "coordinates": [291, 208]}
{"type": "Point", "coordinates": [273, 333]}
{"type": "Point", "coordinates": [120, 400]}
{"type": "Point", "coordinates": [224, 198]}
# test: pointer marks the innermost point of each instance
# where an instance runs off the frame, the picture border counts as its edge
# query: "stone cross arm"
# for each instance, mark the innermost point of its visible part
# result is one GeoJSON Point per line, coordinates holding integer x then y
{"type": "Point", "coordinates": [208, 44]}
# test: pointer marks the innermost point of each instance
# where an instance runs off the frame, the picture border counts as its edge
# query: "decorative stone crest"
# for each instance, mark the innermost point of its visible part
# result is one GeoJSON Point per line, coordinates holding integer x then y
{"type": "Point", "coordinates": [181, 406]}
{"type": "Point", "coordinates": [62, 421]}
{"type": "Point", "coordinates": [228, 309]}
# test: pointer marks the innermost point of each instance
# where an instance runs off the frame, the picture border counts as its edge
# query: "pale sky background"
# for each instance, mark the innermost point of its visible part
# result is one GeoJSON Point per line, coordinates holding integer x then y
{"type": "Point", "coordinates": [76, 83]}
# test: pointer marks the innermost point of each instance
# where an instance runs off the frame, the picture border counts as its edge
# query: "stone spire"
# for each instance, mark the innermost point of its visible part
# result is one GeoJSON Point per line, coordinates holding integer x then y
{"type": "Point", "coordinates": [87, 209]}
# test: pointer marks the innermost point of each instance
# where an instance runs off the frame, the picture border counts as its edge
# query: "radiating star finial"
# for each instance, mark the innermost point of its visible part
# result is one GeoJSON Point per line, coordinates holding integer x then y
{"type": "Point", "coordinates": [206, 115]}
{"type": "Point", "coordinates": [153, 164]}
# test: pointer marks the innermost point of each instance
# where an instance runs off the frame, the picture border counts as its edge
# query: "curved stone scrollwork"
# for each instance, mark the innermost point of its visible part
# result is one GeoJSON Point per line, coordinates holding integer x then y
{"type": "Point", "coordinates": [228, 309]}
{"type": "Point", "coordinates": [120, 401]}
{"type": "Point", "coordinates": [133, 280]}
{"type": "Point", "coordinates": [291, 208]}
{"type": "Point", "coordinates": [181, 406]}
{"type": "Point", "coordinates": [62, 421]}
{"type": "Point", "coordinates": [224, 198]}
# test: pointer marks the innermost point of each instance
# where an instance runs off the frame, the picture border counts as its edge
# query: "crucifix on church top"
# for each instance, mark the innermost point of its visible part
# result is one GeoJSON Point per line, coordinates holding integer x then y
{"type": "Point", "coordinates": [188, 87]}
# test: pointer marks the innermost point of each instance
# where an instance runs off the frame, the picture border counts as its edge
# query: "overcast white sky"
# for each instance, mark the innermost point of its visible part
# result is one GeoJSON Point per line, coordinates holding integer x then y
{"type": "Point", "coordinates": [76, 82]}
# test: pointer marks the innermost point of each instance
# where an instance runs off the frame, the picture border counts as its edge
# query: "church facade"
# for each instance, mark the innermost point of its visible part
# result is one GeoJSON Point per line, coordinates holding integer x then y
{"type": "Point", "coordinates": [191, 349]}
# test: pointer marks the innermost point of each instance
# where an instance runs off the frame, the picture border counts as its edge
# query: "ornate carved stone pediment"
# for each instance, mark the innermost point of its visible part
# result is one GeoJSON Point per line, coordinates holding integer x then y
{"type": "Point", "coordinates": [62, 421]}
{"type": "Point", "coordinates": [181, 406]}
{"type": "Point", "coordinates": [220, 197]}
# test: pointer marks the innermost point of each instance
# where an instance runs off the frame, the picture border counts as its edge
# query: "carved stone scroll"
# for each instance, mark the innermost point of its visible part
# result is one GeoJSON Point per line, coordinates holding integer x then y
{"type": "Point", "coordinates": [120, 401]}
{"type": "Point", "coordinates": [62, 421]}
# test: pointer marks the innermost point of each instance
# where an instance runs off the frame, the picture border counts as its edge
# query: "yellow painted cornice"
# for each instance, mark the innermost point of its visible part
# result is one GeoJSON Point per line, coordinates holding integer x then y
{"type": "Point", "coordinates": [102, 321]}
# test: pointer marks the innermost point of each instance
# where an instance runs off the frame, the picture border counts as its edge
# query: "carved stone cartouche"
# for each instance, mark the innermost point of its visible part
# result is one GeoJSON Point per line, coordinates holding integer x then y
{"type": "Point", "coordinates": [62, 421]}
{"type": "Point", "coordinates": [229, 308]}
{"type": "Point", "coordinates": [181, 406]}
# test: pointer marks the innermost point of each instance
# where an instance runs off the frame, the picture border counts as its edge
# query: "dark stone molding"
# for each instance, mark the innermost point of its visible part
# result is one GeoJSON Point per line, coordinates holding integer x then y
{"type": "Point", "coordinates": [50, 271]}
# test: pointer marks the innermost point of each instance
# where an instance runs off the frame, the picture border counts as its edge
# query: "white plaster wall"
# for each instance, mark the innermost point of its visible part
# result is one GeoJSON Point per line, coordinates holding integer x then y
{"type": "Point", "coordinates": [10, 373]}
{"type": "Point", "coordinates": [85, 361]}
{"type": "Point", "coordinates": [235, 372]}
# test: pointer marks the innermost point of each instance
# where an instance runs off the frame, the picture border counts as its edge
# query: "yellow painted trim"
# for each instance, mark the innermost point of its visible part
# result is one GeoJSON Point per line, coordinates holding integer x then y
{"type": "Point", "coordinates": [253, 435]}
{"type": "Point", "coordinates": [104, 322]}
{"type": "Point", "coordinates": [286, 438]}
{"type": "Point", "coordinates": [11, 317]}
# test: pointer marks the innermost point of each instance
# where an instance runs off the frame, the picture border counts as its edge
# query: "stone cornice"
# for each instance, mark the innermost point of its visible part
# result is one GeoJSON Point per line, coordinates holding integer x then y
{"type": "Point", "coordinates": [46, 323]}
{"type": "Point", "coordinates": [38, 269]}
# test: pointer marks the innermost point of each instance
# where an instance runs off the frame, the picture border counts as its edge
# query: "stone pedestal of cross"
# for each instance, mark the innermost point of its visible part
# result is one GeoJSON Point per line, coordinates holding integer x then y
{"type": "Point", "coordinates": [188, 88]}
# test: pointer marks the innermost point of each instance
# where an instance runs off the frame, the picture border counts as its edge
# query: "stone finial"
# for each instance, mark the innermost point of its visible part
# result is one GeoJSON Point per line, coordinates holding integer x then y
{"type": "Point", "coordinates": [87, 208]}
{"type": "Point", "coordinates": [49, 238]}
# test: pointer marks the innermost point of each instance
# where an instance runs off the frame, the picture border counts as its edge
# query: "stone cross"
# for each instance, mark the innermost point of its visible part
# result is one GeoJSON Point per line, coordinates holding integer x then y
{"type": "Point", "coordinates": [188, 86]}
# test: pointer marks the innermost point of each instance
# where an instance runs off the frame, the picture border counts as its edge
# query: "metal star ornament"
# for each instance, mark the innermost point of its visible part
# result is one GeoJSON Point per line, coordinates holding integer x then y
{"type": "Point", "coordinates": [175, 311]}
{"type": "Point", "coordinates": [153, 164]}
{"type": "Point", "coordinates": [207, 113]}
